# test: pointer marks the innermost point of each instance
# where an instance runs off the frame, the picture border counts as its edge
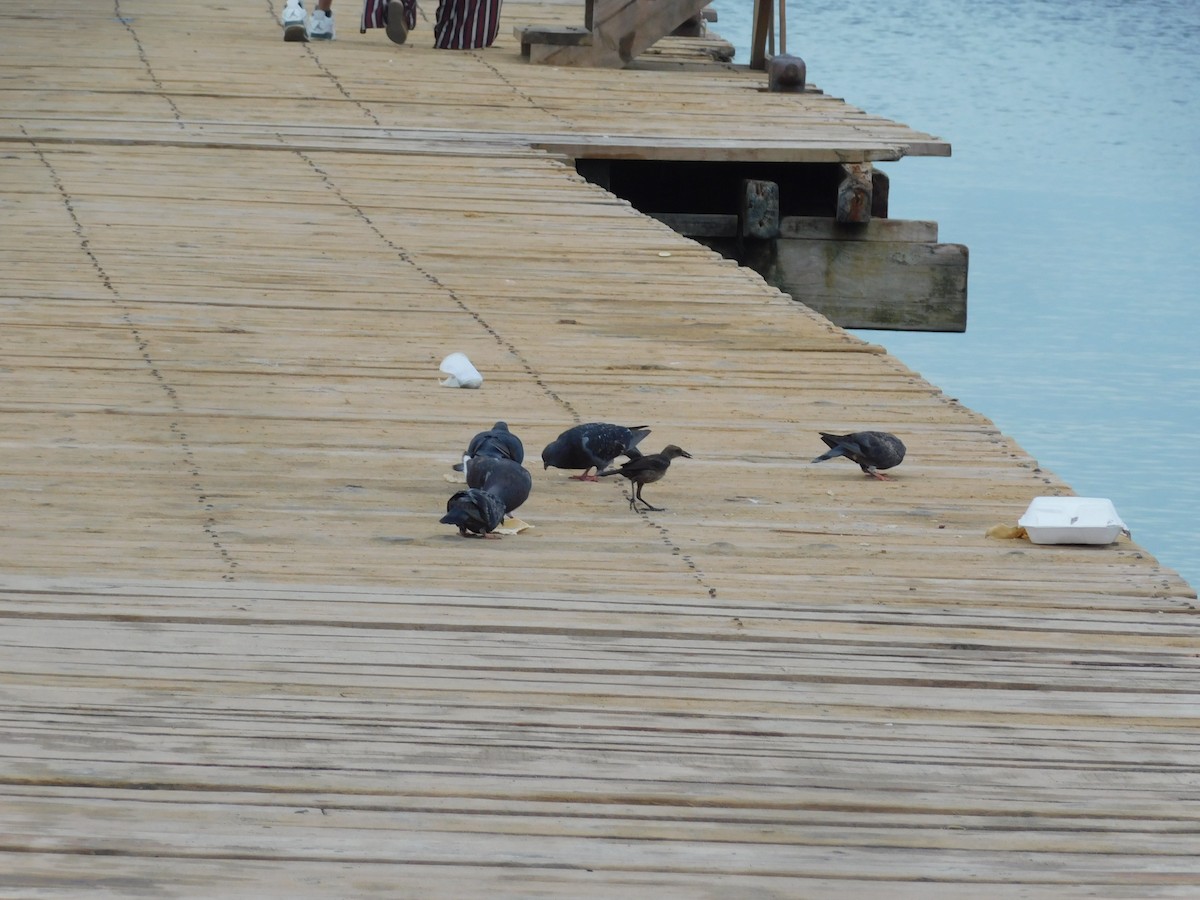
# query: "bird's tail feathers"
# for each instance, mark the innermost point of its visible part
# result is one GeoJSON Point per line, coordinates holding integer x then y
{"type": "Point", "coordinates": [640, 433]}
{"type": "Point", "coordinates": [830, 454]}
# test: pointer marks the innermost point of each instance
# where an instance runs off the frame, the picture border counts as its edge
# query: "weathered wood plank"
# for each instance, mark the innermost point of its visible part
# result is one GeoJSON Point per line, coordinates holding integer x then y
{"type": "Point", "coordinates": [819, 228]}
{"type": "Point", "coordinates": [105, 878]}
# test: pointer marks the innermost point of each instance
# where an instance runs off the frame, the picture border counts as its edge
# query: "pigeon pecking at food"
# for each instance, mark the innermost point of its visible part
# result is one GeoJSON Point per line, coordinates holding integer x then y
{"type": "Point", "coordinates": [872, 450]}
{"type": "Point", "coordinates": [474, 511]}
{"type": "Point", "coordinates": [495, 487]}
{"type": "Point", "coordinates": [508, 480]}
{"type": "Point", "coordinates": [594, 445]}
{"type": "Point", "coordinates": [498, 442]}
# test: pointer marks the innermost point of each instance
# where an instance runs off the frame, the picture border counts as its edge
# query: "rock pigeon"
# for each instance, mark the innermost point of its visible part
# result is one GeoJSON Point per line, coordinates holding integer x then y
{"type": "Point", "coordinates": [643, 470]}
{"type": "Point", "coordinates": [497, 441]}
{"type": "Point", "coordinates": [474, 511]}
{"type": "Point", "coordinates": [509, 481]}
{"type": "Point", "coordinates": [872, 450]}
{"type": "Point", "coordinates": [594, 445]}
{"type": "Point", "coordinates": [495, 487]}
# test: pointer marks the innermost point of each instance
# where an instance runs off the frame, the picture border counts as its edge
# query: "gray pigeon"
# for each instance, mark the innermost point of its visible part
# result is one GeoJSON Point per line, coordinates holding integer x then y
{"type": "Point", "coordinates": [594, 445]}
{"type": "Point", "coordinates": [475, 512]}
{"type": "Point", "coordinates": [509, 481]}
{"type": "Point", "coordinates": [872, 450]}
{"type": "Point", "coordinates": [498, 442]}
{"type": "Point", "coordinates": [643, 470]}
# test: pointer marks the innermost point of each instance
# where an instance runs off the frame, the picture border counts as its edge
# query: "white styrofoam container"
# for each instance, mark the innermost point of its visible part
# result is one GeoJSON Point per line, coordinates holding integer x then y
{"type": "Point", "coordinates": [1072, 520]}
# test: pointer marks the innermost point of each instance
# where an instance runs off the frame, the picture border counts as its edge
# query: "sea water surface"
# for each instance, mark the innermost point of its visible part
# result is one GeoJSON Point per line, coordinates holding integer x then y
{"type": "Point", "coordinates": [1075, 182]}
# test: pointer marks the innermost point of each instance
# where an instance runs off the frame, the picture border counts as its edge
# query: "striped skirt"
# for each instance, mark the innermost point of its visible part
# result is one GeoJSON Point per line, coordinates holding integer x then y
{"type": "Point", "coordinates": [466, 24]}
{"type": "Point", "coordinates": [458, 25]}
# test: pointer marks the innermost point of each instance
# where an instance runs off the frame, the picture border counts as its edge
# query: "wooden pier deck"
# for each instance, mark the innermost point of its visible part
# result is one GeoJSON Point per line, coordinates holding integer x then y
{"type": "Point", "coordinates": [240, 657]}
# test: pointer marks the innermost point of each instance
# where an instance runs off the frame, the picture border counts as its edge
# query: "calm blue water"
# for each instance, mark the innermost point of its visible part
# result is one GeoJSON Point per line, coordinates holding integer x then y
{"type": "Point", "coordinates": [1076, 134]}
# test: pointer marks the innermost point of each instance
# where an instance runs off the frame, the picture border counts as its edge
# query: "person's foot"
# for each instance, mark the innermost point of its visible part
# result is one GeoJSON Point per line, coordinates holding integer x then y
{"type": "Point", "coordinates": [397, 26]}
{"type": "Point", "coordinates": [293, 18]}
{"type": "Point", "coordinates": [320, 26]}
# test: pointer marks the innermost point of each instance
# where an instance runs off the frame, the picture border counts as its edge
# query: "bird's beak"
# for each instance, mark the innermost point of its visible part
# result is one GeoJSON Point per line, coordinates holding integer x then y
{"type": "Point", "coordinates": [685, 453]}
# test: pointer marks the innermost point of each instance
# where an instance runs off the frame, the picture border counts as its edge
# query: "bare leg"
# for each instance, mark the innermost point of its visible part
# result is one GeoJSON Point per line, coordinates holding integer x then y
{"type": "Point", "coordinates": [644, 503]}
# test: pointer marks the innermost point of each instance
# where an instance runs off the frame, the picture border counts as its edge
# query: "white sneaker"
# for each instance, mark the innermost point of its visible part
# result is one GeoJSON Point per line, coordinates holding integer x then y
{"type": "Point", "coordinates": [320, 26]}
{"type": "Point", "coordinates": [294, 28]}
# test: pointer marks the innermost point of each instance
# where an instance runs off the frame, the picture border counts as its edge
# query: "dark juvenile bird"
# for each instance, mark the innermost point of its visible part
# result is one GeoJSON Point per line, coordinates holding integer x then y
{"type": "Point", "coordinates": [643, 470]}
{"type": "Point", "coordinates": [594, 445]}
{"type": "Point", "coordinates": [872, 450]}
{"type": "Point", "coordinates": [474, 511]}
{"type": "Point", "coordinates": [510, 481]}
{"type": "Point", "coordinates": [498, 442]}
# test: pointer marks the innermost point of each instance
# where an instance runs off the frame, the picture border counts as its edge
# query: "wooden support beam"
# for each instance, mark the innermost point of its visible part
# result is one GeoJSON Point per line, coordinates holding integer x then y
{"type": "Point", "coordinates": [885, 274]}
{"type": "Point", "coordinates": [759, 213]}
{"type": "Point", "coordinates": [556, 35]}
{"type": "Point", "coordinates": [880, 187]}
{"type": "Point", "coordinates": [823, 228]}
{"type": "Point", "coordinates": [701, 225]}
{"type": "Point", "coordinates": [811, 228]}
{"type": "Point", "coordinates": [854, 194]}
{"type": "Point", "coordinates": [764, 16]}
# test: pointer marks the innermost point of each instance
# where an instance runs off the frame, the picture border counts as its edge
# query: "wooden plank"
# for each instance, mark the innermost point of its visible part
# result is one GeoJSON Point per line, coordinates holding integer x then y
{"type": "Point", "coordinates": [701, 225]}
{"type": "Point", "coordinates": [298, 878]}
{"type": "Point", "coordinates": [572, 35]}
{"type": "Point", "coordinates": [816, 228]}
{"type": "Point", "coordinates": [824, 228]}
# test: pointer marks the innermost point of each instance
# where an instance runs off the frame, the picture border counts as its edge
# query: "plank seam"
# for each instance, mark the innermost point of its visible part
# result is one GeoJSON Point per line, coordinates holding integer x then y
{"type": "Point", "coordinates": [127, 22]}
{"type": "Point", "coordinates": [125, 315]}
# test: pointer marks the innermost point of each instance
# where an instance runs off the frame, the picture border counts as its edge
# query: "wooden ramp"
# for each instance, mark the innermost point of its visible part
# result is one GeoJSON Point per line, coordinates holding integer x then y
{"type": "Point", "coordinates": [240, 656]}
{"type": "Point", "coordinates": [614, 32]}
